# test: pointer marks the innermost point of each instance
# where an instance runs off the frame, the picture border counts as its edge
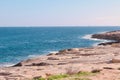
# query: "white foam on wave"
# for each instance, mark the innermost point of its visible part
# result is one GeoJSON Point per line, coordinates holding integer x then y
{"type": "Point", "coordinates": [6, 64]}
{"type": "Point", "coordinates": [29, 56]}
{"type": "Point", "coordinates": [95, 44]}
{"type": "Point", "coordinates": [38, 55]}
{"type": "Point", "coordinates": [102, 32]}
{"type": "Point", "coordinates": [89, 37]}
{"type": "Point", "coordinates": [53, 51]}
{"type": "Point", "coordinates": [33, 56]}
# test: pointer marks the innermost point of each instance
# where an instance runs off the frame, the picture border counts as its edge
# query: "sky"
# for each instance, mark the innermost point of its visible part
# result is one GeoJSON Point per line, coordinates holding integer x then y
{"type": "Point", "coordinates": [59, 12]}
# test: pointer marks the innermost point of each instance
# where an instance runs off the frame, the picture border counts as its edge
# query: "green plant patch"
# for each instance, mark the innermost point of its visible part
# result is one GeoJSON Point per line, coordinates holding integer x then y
{"type": "Point", "coordinates": [83, 74]}
{"type": "Point", "coordinates": [79, 76]}
{"type": "Point", "coordinates": [80, 79]}
{"type": "Point", "coordinates": [57, 77]}
{"type": "Point", "coordinates": [40, 79]}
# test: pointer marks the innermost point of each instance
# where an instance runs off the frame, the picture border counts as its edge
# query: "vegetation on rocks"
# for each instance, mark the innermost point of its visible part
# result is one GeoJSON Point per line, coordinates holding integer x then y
{"type": "Point", "coordinates": [79, 76]}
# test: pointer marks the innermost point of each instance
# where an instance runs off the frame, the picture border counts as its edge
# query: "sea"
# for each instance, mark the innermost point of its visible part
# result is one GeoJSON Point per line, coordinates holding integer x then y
{"type": "Point", "coordinates": [21, 43]}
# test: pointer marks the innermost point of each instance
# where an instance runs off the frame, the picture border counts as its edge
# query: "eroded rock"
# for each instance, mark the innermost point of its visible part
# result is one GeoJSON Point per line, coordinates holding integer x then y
{"type": "Point", "coordinates": [52, 58]}
{"type": "Point", "coordinates": [115, 60]}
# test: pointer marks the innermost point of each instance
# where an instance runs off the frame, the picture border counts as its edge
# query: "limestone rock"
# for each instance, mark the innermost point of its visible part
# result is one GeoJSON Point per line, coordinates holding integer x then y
{"type": "Point", "coordinates": [113, 35]}
{"type": "Point", "coordinates": [115, 60]}
{"type": "Point", "coordinates": [74, 49]}
{"type": "Point", "coordinates": [52, 58]}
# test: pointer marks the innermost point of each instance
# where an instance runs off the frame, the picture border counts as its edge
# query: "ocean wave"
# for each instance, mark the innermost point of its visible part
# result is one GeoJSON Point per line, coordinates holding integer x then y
{"type": "Point", "coordinates": [98, 41]}
{"type": "Point", "coordinates": [33, 56]}
{"type": "Point", "coordinates": [89, 37]}
{"type": "Point", "coordinates": [95, 44]}
{"type": "Point", "coordinates": [53, 51]}
{"type": "Point", "coordinates": [45, 53]}
{"type": "Point", "coordinates": [102, 32]}
{"type": "Point", "coordinates": [6, 64]}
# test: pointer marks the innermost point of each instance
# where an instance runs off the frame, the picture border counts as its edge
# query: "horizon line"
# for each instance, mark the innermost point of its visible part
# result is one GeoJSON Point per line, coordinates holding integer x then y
{"type": "Point", "coordinates": [62, 26]}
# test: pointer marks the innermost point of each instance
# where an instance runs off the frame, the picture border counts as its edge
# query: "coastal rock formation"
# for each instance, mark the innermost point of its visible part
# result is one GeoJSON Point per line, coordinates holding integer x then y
{"type": "Point", "coordinates": [85, 59]}
{"type": "Point", "coordinates": [113, 35]}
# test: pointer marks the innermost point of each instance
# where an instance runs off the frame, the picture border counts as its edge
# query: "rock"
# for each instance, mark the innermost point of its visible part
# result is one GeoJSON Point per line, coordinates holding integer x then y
{"type": "Point", "coordinates": [107, 68]}
{"type": "Point", "coordinates": [48, 74]}
{"type": "Point", "coordinates": [116, 44]}
{"type": "Point", "coordinates": [61, 63]}
{"type": "Point", "coordinates": [74, 49]}
{"type": "Point", "coordinates": [39, 64]}
{"type": "Point", "coordinates": [51, 54]}
{"type": "Point", "coordinates": [52, 58]}
{"type": "Point", "coordinates": [96, 70]}
{"type": "Point", "coordinates": [75, 57]}
{"type": "Point", "coordinates": [109, 43]}
{"type": "Point", "coordinates": [17, 65]}
{"type": "Point", "coordinates": [37, 77]}
{"type": "Point", "coordinates": [63, 51]}
{"type": "Point", "coordinates": [113, 35]}
{"type": "Point", "coordinates": [68, 51]}
{"type": "Point", "coordinates": [88, 54]}
{"type": "Point", "coordinates": [115, 60]}
{"type": "Point", "coordinates": [4, 74]}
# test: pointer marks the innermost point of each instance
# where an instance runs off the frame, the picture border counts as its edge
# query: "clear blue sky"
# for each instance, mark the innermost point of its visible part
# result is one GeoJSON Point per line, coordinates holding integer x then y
{"type": "Point", "coordinates": [59, 12]}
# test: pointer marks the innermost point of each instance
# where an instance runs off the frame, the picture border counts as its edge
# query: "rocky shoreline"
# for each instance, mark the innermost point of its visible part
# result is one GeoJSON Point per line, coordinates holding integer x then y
{"type": "Point", "coordinates": [113, 35]}
{"type": "Point", "coordinates": [104, 57]}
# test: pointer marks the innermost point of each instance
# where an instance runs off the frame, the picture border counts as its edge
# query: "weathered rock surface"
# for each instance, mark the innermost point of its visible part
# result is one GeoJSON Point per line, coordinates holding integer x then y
{"type": "Point", "coordinates": [113, 35]}
{"type": "Point", "coordinates": [86, 59]}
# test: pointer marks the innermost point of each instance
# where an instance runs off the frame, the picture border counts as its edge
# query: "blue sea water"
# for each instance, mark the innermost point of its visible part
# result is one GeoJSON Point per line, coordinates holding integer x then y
{"type": "Point", "coordinates": [20, 43]}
